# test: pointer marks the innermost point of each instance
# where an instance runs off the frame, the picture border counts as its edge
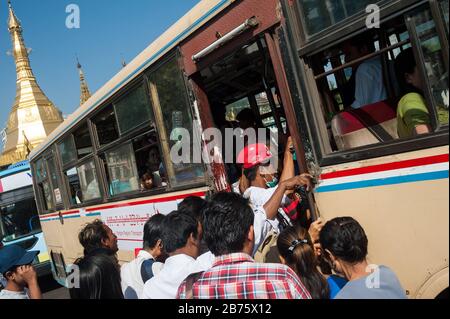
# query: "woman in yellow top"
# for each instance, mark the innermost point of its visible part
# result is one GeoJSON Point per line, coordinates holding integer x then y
{"type": "Point", "coordinates": [412, 114]}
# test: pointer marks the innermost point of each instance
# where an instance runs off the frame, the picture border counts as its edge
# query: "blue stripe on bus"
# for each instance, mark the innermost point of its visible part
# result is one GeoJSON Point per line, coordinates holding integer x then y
{"type": "Point", "coordinates": [142, 66]}
{"type": "Point", "coordinates": [93, 214]}
{"type": "Point", "coordinates": [10, 171]}
{"type": "Point", "coordinates": [385, 181]}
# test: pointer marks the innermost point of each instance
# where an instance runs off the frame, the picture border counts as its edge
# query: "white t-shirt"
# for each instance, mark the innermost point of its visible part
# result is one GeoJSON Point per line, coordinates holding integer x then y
{"type": "Point", "coordinates": [258, 197]}
{"type": "Point", "coordinates": [165, 284]}
{"type": "Point", "coordinates": [131, 278]}
{"type": "Point", "coordinates": [6, 294]}
{"type": "Point", "coordinates": [204, 262]}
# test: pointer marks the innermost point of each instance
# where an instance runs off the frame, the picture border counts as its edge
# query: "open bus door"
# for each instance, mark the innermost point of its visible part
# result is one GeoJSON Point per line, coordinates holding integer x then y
{"type": "Point", "coordinates": [234, 63]}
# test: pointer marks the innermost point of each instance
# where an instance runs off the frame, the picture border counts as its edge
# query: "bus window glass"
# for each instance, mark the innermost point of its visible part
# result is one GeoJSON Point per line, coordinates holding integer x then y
{"type": "Point", "coordinates": [54, 180]}
{"type": "Point", "coordinates": [41, 172]}
{"type": "Point", "coordinates": [19, 219]}
{"type": "Point", "coordinates": [83, 141]}
{"type": "Point", "coordinates": [233, 109]}
{"type": "Point", "coordinates": [106, 125]}
{"type": "Point", "coordinates": [47, 193]}
{"type": "Point", "coordinates": [74, 186]}
{"type": "Point", "coordinates": [150, 167]}
{"type": "Point", "coordinates": [67, 150]}
{"type": "Point", "coordinates": [172, 100]}
{"type": "Point", "coordinates": [444, 10]}
{"type": "Point", "coordinates": [133, 110]}
{"type": "Point", "coordinates": [320, 15]}
{"type": "Point", "coordinates": [434, 62]}
{"type": "Point", "coordinates": [122, 173]}
{"type": "Point", "coordinates": [88, 181]}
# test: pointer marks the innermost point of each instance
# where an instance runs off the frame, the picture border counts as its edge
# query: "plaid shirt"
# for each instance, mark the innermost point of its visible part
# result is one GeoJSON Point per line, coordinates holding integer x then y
{"type": "Point", "coordinates": [237, 276]}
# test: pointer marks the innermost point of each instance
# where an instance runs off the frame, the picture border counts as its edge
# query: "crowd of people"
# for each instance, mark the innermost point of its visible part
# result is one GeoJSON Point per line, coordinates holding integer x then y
{"type": "Point", "coordinates": [235, 245]}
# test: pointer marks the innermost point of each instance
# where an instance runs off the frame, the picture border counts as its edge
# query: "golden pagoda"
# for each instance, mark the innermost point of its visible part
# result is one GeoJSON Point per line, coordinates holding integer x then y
{"type": "Point", "coordinates": [33, 115]}
{"type": "Point", "coordinates": [85, 93]}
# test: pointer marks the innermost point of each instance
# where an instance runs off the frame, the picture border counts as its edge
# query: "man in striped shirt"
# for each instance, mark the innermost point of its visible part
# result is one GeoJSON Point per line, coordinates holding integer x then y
{"type": "Point", "coordinates": [229, 234]}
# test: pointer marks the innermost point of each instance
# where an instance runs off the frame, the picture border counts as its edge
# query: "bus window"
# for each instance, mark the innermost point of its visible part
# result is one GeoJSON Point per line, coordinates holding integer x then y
{"type": "Point", "coordinates": [320, 15]}
{"type": "Point", "coordinates": [44, 187]}
{"type": "Point", "coordinates": [89, 185]}
{"type": "Point", "coordinates": [75, 195]}
{"type": "Point", "coordinates": [437, 75]}
{"type": "Point", "coordinates": [360, 88]}
{"type": "Point", "coordinates": [83, 141]}
{"type": "Point", "coordinates": [67, 150]}
{"type": "Point", "coordinates": [122, 172]}
{"type": "Point", "coordinates": [169, 97]}
{"type": "Point", "coordinates": [106, 126]}
{"type": "Point", "coordinates": [133, 110]}
{"type": "Point", "coordinates": [19, 219]}
{"type": "Point", "coordinates": [55, 180]}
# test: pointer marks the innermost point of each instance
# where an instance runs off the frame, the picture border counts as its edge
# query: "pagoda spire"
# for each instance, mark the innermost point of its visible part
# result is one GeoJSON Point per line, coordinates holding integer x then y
{"type": "Point", "coordinates": [33, 115]}
{"type": "Point", "coordinates": [84, 89]}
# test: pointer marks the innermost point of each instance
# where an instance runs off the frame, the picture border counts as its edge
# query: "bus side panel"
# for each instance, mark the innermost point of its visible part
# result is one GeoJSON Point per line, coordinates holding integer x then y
{"type": "Point", "coordinates": [396, 218]}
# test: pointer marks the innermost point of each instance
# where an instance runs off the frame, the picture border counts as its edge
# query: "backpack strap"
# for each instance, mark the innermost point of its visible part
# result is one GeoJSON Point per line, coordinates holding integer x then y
{"type": "Point", "coordinates": [146, 269]}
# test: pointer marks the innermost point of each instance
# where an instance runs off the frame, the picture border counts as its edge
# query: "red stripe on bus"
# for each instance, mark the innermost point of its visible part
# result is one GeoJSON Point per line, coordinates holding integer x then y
{"type": "Point", "coordinates": [138, 240]}
{"type": "Point", "coordinates": [388, 166]}
{"type": "Point", "coordinates": [70, 212]}
{"type": "Point", "coordinates": [148, 201]}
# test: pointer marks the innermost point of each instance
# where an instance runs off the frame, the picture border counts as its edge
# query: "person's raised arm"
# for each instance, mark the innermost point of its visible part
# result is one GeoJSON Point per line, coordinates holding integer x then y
{"type": "Point", "coordinates": [272, 205]}
{"type": "Point", "coordinates": [288, 161]}
{"type": "Point", "coordinates": [30, 277]}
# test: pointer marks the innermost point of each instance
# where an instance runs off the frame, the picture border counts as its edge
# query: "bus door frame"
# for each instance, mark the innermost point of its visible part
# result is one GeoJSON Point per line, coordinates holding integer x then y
{"type": "Point", "coordinates": [269, 18]}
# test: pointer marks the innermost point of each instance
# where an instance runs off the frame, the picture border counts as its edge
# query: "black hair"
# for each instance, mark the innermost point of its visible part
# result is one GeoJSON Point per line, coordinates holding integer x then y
{"type": "Point", "coordinates": [405, 63]}
{"type": "Point", "coordinates": [363, 40]}
{"type": "Point", "coordinates": [153, 230]}
{"type": "Point", "coordinates": [91, 236]}
{"type": "Point", "coordinates": [345, 239]}
{"type": "Point", "coordinates": [251, 173]}
{"type": "Point", "coordinates": [99, 278]}
{"type": "Point", "coordinates": [177, 227]}
{"type": "Point", "coordinates": [193, 206]}
{"type": "Point", "coordinates": [295, 246]}
{"type": "Point", "coordinates": [227, 221]}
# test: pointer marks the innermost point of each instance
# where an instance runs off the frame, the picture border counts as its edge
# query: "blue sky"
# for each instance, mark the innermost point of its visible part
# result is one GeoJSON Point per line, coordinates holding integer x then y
{"type": "Point", "coordinates": [109, 30]}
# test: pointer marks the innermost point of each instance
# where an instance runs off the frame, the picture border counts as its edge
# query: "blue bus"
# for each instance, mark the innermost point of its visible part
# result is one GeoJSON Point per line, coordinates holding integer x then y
{"type": "Point", "coordinates": [19, 220]}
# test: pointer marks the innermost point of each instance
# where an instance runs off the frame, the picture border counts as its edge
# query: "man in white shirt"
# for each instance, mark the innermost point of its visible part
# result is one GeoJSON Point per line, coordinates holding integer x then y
{"type": "Point", "coordinates": [265, 194]}
{"type": "Point", "coordinates": [369, 82]}
{"type": "Point", "coordinates": [181, 239]}
{"type": "Point", "coordinates": [135, 273]}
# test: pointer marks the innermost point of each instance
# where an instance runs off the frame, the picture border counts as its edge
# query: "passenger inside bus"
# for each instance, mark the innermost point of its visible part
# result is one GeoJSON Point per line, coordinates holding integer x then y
{"type": "Point", "coordinates": [367, 77]}
{"type": "Point", "coordinates": [413, 117]}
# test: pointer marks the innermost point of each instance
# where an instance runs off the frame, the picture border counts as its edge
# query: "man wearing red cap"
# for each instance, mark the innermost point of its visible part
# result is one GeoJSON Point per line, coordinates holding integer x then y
{"type": "Point", "coordinates": [265, 193]}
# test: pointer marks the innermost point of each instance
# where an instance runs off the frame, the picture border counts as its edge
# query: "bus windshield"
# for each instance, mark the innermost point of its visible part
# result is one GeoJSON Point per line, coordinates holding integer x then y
{"type": "Point", "coordinates": [19, 219]}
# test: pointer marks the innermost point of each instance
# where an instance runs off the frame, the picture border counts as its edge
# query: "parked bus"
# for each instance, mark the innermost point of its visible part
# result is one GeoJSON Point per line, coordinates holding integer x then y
{"type": "Point", "coordinates": [19, 220]}
{"type": "Point", "coordinates": [285, 61]}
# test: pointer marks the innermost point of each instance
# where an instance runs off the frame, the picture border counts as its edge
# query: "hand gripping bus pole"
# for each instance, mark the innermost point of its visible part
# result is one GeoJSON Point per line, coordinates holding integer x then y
{"type": "Point", "coordinates": [249, 23]}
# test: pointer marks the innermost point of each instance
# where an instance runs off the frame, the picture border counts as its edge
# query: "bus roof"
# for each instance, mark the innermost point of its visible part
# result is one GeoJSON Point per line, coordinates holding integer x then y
{"type": "Point", "coordinates": [189, 23]}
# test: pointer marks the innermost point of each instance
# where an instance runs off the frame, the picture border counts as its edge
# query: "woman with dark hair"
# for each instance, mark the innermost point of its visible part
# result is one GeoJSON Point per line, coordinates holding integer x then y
{"type": "Point", "coordinates": [344, 244]}
{"type": "Point", "coordinates": [296, 251]}
{"type": "Point", "coordinates": [412, 113]}
{"type": "Point", "coordinates": [99, 278]}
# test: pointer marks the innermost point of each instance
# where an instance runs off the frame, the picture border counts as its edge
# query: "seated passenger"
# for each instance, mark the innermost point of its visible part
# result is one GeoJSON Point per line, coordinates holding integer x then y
{"type": "Point", "coordinates": [368, 76]}
{"type": "Point", "coordinates": [412, 113]}
{"type": "Point", "coordinates": [155, 166]}
{"type": "Point", "coordinates": [147, 182]}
